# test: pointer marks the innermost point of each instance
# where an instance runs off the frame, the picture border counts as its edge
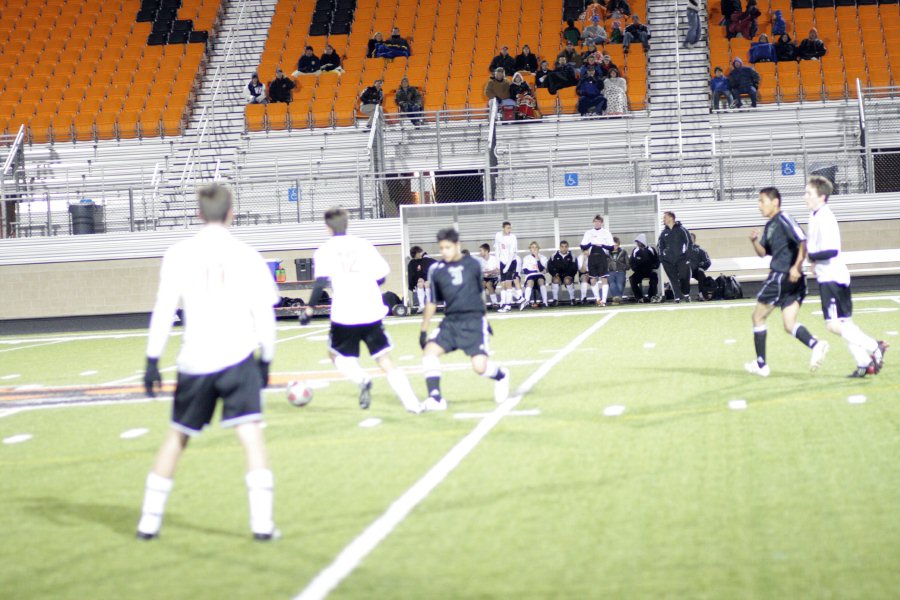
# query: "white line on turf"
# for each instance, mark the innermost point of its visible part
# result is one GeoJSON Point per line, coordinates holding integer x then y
{"type": "Point", "coordinates": [532, 412]}
{"type": "Point", "coordinates": [17, 439]}
{"type": "Point", "coordinates": [16, 376]}
{"type": "Point", "coordinates": [370, 422]}
{"type": "Point", "coordinates": [352, 555]}
{"type": "Point", "coordinates": [891, 332]}
{"type": "Point", "coordinates": [614, 410]}
{"type": "Point", "coordinates": [130, 434]}
{"type": "Point", "coordinates": [87, 373]}
{"type": "Point", "coordinates": [737, 404]}
{"type": "Point", "coordinates": [856, 399]}
{"type": "Point", "coordinates": [649, 345]}
{"type": "Point", "coordinates": [730, 342]}
{"type": "Point", "coordinates": [13, 349]}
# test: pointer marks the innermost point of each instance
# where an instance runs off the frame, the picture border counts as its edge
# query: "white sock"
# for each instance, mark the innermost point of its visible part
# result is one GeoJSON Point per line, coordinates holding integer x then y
{"type": "Point", "coordinates": [491, 370]}
{"type": "Point", "coordinates": [156, 493]}
{"type": "Point", "coordinates": [517, 294]}
{"type": "Point", "coordinates": [261, 494]}
{"type": "Point", "coordinates": [554, 287]}
{"type": "Point", "coordinates": [544, 294]}
{"type": "Point", "coordinates": [504, 296]}
{"type": "Point", "coordinates": [493, 298]}
{"type": "Point", "coordinates": [584, 289]}
{"type": "Point", "coordinates": [596, 289]}
{"type": "Point", "coordinates": [349, 368]}
{"type": "Point", "coordinates": [571, 289]}
{"type": "Point", "coordinates": [855, 337]}
{"type": "Point", "coordinates": [400, 384]}
{"type": "Point", "coordinates": [420, 296]}
{"type": "Point", "coordinates": [427, 293]}
{"type": "Point", "coordinates": [861, 357]}
{"type": "Point", "coordinates": [604, 292]}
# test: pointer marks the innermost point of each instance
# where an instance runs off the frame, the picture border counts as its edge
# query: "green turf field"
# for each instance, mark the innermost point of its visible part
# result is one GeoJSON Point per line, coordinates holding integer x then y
{"type": "Point", "coordinates": [797, 496]}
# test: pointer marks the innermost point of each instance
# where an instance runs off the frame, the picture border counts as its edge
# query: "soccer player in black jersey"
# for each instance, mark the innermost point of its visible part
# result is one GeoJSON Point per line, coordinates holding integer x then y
{"type": "Point", "coordinates": [457, 281]}
{"type": "Point", "coordinates": [785, 287]}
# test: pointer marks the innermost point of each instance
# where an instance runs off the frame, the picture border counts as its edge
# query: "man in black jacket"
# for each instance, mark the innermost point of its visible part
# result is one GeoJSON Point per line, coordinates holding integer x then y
{"type": "Point", "coordinates": [636, 32]}
{"type": "Point", "coordinates": [674, 252]}
{"type": "Point", "coordinates": [417, 275]}
{"type": "Point", "coordinates": [644, 264]}
{"type": "Point", "coordinates": [563, 267]}
{"type": "Point", "coordinates": [527, 61]}
{"type": "Point", "coordinates": [280, 88]}
{"type": "Point", "coordinates": [504, 61]}
{"type": "Point", "coordinates": [371, 98]}
{"type": "Point", "coordinates": [308, 63]}
{"type": "Point", "coordinates": [700, 263]}
{"type": "Point", "coordinates": [330, 61]}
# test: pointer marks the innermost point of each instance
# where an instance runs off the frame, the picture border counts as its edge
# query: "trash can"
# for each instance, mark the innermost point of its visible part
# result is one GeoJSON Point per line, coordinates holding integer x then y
{"type": "Point", "coordinates": [82, 217]}
{"type": "Point", "coordinates": [304, 269]}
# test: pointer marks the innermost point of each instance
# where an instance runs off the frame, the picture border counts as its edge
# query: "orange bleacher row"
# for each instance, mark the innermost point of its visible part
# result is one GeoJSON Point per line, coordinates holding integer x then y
{"type": "Point", "coordinates": [857, 42]}
{"type": "Point", "coordinates": [452, 42]}
{"type": "Point", "coordinates": [83, 70]}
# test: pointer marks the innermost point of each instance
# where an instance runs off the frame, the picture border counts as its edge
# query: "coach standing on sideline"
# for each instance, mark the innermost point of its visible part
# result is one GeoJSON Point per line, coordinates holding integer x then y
{"type": "Point", "coordinates": [674, 253]}
{"type": "Point", "coordinates": [227, 294]}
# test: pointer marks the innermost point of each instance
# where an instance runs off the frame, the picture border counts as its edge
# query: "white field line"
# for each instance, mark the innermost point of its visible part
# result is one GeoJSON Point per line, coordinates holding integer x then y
{"type": "Point", "coordinates": [351, 556]}
{"type": "Point", "coordinates": [14, 348]}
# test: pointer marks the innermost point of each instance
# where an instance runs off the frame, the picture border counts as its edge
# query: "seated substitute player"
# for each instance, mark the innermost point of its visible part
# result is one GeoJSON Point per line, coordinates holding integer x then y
{"type": "Point", "coordinates": [598, 242]}
{"type": "Point", "coordinates": [785, 287]}
{"type": "Point", "coordinates": [834, 279]}
{"type": "Point", "coordinates": [534, 265]}
{"type": "Point", "coordinates": [417, 275]}
{"type": "Point", "coordinates": [227, 294]}
{"type": "Point", "coordinates": [490, 269]}
{"type": "Point", "coordinates": [506, 247]}
{"type": "Point", "coordinates": [456, 280]}
{"type": "Point", "coordinates": [563, 269]}
{"type": "Point", "coordinates": [355, 271]}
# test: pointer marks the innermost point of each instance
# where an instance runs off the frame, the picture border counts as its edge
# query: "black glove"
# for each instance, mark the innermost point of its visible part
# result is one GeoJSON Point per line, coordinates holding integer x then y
{"type": "Point", "coordinates": [304, 317]}
{"type": "Point", "coordinates": [264, 372]}
{"type": "Point", "coordinates": [423, 339]}
{"type": "Point", "coordinates": [152, 378]}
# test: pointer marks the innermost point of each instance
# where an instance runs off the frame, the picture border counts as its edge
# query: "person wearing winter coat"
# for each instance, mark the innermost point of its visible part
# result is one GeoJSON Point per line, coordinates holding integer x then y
{"type": "Point", "coordinates": [692, 36]}
{"type": "Point", "coordinates": [376, 41]}
{"type": "Point", "coordinates": [675, 255]}
{"type": "Point", "coordinates": [618, 265]}
{"type": "Point", "coordinates": [542, 75]}
{"type": "Point", "coordinates": [745, 23]}
{"type": "Point", "coordinates": [371, 98]}
{"type": "Point", "coordinates": [563, 267]}
{"type": "Point", "coordinates": [409, 101]}
{"type": "Point", "coordinates": [719, 87]}
{"type": "Point", "coordinates": [498, 87]}
{"type": "Point", "coordinates": [593, 33]}
{"type": "Point", "coordinates": [606, 65]}
{"type": "Point", "coordinates": [616, 35]}
{"type": "Point", "coordinates": [700, 264]}
{"type": "Point", "coordinates": [571, 33]}
{"type": "Point", "coordinates": [563, 76]}
{"type": "Point", "coordinates": [417, 275]}
{"type": "Point", "coordinates": [590, 93]}
{"type": "Point", "coordinates": [812, 48]}
{"type": "Point", "coordinates": [329, 60]}
{"type": "Point", "coordinates": [729, 8]}
{"type": "Point", "coordinates": [571, 55]}
{"type": "Point", "coordinates": [636, 32]}
{"type": "Point", "coordinates": [644, 265]}
{"type": "Point", "coordinates": [308, 63]}
{"type": "Point", "coordinates": [785, 50]}
{"type": "Point", "coordinates": [526, 61]}
{"type": "Point", "coordinates": [779, 27]}
{"type": "Point", "coordinates": [743, 81]}
{"type": "Point", "coordinates": [618, 6]}
{"type": "Point", "coordinates": [255, 91]}
{"type": "Point", "coordinates": [615, 91]}
{"type": "Point", "coordinates": [503, 61]}
{"type": "Point", "coordinates": [280, 88]}
{"type": "Point", "coordinates": [762, 50]}
{"type": "Point", "coordinates": [520, 93]}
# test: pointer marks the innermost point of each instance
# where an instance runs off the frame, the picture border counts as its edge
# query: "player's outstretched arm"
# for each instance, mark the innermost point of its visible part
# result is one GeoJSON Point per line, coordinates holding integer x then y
{"type": "Point", "coordinates": [167, 299]}
{"type": "Point", "coordinates": [427, 314]}
{"type": "Point", "coordinates": [754, 239]}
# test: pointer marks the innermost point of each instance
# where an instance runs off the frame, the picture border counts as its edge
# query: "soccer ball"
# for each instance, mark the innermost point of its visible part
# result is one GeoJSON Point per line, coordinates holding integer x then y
{"type": "Point", "coordinates": [299, 393]}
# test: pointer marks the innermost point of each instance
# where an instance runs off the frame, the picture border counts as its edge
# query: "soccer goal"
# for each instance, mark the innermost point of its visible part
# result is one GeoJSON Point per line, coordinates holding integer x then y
{"type": "Point", "coordinates": [546, 222]}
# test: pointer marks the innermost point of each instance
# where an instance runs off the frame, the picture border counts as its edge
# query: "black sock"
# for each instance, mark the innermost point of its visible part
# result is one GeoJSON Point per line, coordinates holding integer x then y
{"type": "Point", "coordinates": [803, 334]}
{"type": "Point", "coordinates": [759, 341]}
{"type": "Point", "coordinates": [434, 387]}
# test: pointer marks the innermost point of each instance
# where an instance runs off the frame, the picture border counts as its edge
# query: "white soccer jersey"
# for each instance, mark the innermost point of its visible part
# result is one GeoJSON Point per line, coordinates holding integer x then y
{"type": "Point", "coordinates": [227, 293]}
{"type": "Point", "coordinates": [824, 234]}
{"type": "Point", "coordinates": [533, 263]}
{"type": "Point", "coordinates": [354, 267]}
{"type": "Point", "coordinates": [506, 247]}
{"type": "Point", "coordinates": [596, 238]}
{"type": "Point", "coordinates": [490, 266]}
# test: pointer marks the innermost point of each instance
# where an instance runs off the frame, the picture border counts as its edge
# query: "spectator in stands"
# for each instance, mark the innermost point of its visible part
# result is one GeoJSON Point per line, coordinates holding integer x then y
{"type": "Point", "coordinates": [590, 54]}
{"type": "Point", "coordinates": [729, 8]}
{"type": "Point", "coordinates": [371, 98]}
{"type": "Point", "coordinates": [762, 50]}
{"type": "Point", "coordinates": [743, 81]}
{"type": "Point", "coordinates": [693, 19]}
{"type": "Point", "coordinates": [700, 263]}
{"type": "Point", "coordinates": [255, 92]}
{"type": "Point", "coordinates": [617, 9]}
{"type": "Point", "coordinates": [571, 55]}
{"type": "Point", "coordinates": [330, 61]}
{"type": "Point", "coordinates": [812, 48]}
{"type": "Point", "coordinates": [394, 47]}
{"type": "Point", "coordinates": [396, 40]}
{"type": "Point", "coordinates": [376, 40]}
{"type": "Point", "coordinates": [618, 265]}
{"type": "Point", "coordinates": [409, 100]}
{"type": "Point", "coordinates": [526, 61]}
{"type": "Point", "coordinates": [745, 23]}
{"type": "Point", "coordinates": [541, 76]}
{"type": "Point", "coordinates": [594, 13]}
{"type": "Point", "coordinates": [719, 87]}
{"type": "Point", "coordinates": [308, 63]}
{"type": "Point", "coordinates": [594, 33]}
{"type": "Point", "coordinates": [518, 86]}
{"type": "Point", "coordinates": [644, 265]}
{"type": "Point", "coordinates": [636, 32]}
{"type": "Point", "coordinates": [280, 88]}
{"type": "Point", "coordinates": [606, 65]}
{"type": "Point", "coordinates": [779, 27]}
{"type": "Point", "coordinates": [615, 91]}
{"type": "Point", "coordinates": [503, 61]}
{"type": "Point", "coordinates": [785, 49]}
{"type": "Point", "coordinates": [590, 93]}
{"type": "Point", "coordinates": [616, 36]}
{"type": "Point", "coordinates": [563, 76]}
{"type": "Point", "coordinates": [590, 60]}
{"type": "Point", "coordinates": [571, 33]}
{"type": "Point", "coordinates": [498, 87]}
{"type": "Point", "coordinates": [520, 92]}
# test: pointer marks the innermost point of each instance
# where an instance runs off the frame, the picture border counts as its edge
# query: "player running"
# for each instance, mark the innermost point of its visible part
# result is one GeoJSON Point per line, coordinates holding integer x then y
{"type": "Point", "coordinates": [534, 265]}
{"type": "Point", "coordinates": [785, 287]}
{"type": "Point", "coordinates": [506, 247]}
{"type": "Point", "coordinates": [355, 270]}
{"type": "Point", "coordinates": [227, 293]}
{"type": "Point", "coordinates": [456, 280]}
{"type": "Point", "coordinates": [834, 279]}
{"type": "Point", "coordinates": [598, 243]}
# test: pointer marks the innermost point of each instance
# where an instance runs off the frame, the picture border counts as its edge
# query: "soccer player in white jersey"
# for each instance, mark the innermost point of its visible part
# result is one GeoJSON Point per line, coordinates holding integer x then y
{"type": "Point", "coordinates": [353, 269]}
{"type": "Point", "coordinates": [824, 247]}
{"type": "Point", "coordinates": [490, 268]}
{"type": "Point", "coordinates": [227, 294]}
{"type": "Point", "coordinates": [534, 267]}
{"type": "Point", "coordinates": [598, 242]}
{"type": "Point", "coordinates": [506, 247]}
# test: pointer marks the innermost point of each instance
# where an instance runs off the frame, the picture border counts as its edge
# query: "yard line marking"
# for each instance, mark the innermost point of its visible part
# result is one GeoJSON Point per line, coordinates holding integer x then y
{"type": "Point", "coordinates": [729, 342]}
{"type": "Point", "coordinates": [13, 349]}
{"type": "Point", "coordinates": [10, 412]}
{"type": "Point", "coordinates": [351, 556]}
{"type": "Point", "coordinates": [16, 376]}
{"type": "Point", "coordinates": [87, 373]}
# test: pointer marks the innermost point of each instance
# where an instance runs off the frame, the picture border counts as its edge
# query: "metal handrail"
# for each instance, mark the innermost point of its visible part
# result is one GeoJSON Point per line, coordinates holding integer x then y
{"type": "Point", "coordinates": [17, 143]}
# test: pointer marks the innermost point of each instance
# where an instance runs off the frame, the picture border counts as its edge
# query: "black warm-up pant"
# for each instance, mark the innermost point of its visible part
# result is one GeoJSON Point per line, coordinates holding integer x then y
{"type": "Point", "coordinates": [700, 275]}
{"type": "Point", "coordinates": [637, 280]}
{"type": "Point", "coordinates": [679, 275]}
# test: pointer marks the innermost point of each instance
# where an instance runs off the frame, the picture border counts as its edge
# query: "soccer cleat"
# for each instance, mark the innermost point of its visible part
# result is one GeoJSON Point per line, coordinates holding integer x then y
{"type": "Point", "coordinates": [687, 298]}
{"type": "Point", "coordinates": [415, 409]}
{"type": "Point", "coordinates": [754, 368]}
{"type": "Point", "coordinates": [677, 300]}
{"type": "Point", "coordinates": [818, 355]}
{"type": "Point", "coordinates": [267, 537]}
{"type": "Point", "coordinates": [523, 303]}
{"type": "Point", "coordinates": [365, 394]}
{"type": "Point", "coordinates": [859, 373]}
{"type": "Point", "coordinates": [504, 309]}
{"type": "Point", "coordinates": [501, 387]}
{"type": "Point", "coordinates": [601, 303]}
{"type": "Point", "coordinates": [878, 357]}
{"type": "Point", "coordinates": [432, 404]}
{"type": "Point", "coordinates": [146, 537]}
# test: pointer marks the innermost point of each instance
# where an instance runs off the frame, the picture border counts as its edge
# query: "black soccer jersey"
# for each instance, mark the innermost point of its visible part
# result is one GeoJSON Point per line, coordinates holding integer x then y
{"type": "Point", "coordinates": [459, 285]}
{"type": "Point", "coordinates": [781, 239]}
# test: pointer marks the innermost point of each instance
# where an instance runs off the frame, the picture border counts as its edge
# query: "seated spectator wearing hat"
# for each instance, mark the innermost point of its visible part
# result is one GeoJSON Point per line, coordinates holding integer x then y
{"type": "Point", "coordinates": [409, 100]}
{"type": "Point", "coordinates": [636, 32]}
{"type": "Point", "coordinates": [590, 93]}
{"type": "Point", "coordinates": [606, 65]}
{"type": "Point", "coordinates": [719, 87]}
{"type": "Point", "coordinates": [589, 53]}
{"type": "Point", "coordinates": [376, 40]}
{"type": "Point", "coordinates": [526, 61]}
{"type": "Point", "coordinates": [590, 60]}
{"type": "Point", "coordinates": [785, 49]}
{"type": "Point", "coordinates": [571, 33]}
{"type": "Point", "coordinates": [541, 76]}
{"type": "Point", "coordinates": [308, 63]}
{"type": "Point", "coordinates": [330, 61]}
{"type": "Point", "coordinates": [280, 88]}
{"type": "Point", "coordinates": [498, 87]}
{"type": "Point", "coordinates": [503, 61]}
{"type": "Point", "coordinates": [594, 33]}
{"type": "Point", "coordinates": [520, 93]}
{"type": "Point", "coordinates": [563, 76]}
{"type": "Point", "coordinates": [571, 55]}
{"type": "Point", "coordinates": [255, 91]}
{"type": "Point", "coordinates": [743, 81]}
{"type": "Point", "coordinates": [616, 36]}
{"type": "Point", "coordinates": [762, 50]}
{"type": "Point", "coordinates": [371, 98]}
{"type": "Point", "coordinates": [812, 48]}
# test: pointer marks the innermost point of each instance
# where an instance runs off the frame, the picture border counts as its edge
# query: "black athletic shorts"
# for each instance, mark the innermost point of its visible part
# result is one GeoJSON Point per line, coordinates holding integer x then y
{"type": "Point", "coordinates": [535, 276]}
{"type": "Point", "coordinates": [469, 334]}
{"type": "Point", "coordinates": [344, 339]}
{"type": "Point", "coordinates": [492, 280]}
{"type": "Point", "coordinates": [570, 270]}
{"type": "Point", "coordinates": [511, 274]}
{"type": "Point", "coordinates": [196, 396]}
{"type": "Point", "coordinates": [837, 302]}
{"type": "Point", "coordinates": [598, 264]}
{"type": "Point", "coordinates": [778, 290]}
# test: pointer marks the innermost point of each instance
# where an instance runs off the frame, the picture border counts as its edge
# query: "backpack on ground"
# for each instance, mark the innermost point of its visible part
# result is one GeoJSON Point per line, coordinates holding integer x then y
{"type": "Point", "coordinates": [708, 288]}
{"type": "Point", "coordinates": [733, 289]}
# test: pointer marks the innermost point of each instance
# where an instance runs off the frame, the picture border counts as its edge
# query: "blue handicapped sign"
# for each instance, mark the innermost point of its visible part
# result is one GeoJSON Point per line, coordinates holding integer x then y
{"type": "Point", "coordinates": [788, 169]}
{"type": "Point", "coordinates": [571, 179]}
{"type": "Point", "coordinates": [293, 194]}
